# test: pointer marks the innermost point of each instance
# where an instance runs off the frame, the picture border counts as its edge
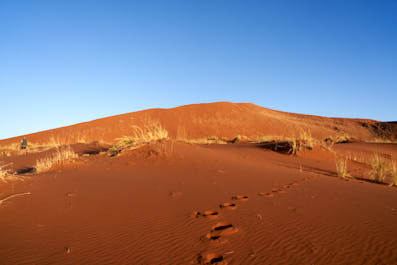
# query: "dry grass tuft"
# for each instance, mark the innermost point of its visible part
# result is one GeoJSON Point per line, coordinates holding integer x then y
{"type": "Point", "coordinates": [150, 132]}
{"type": "Point", "coordinates": [209, 140]}
{"type": "Point", "coordinates": [345, 138]}
{"type": "Point", "coordinates": [341, 168]}
{"type": "Point", "coordinates": [295, 147]}
{"type": "Point", "coordinates": [270, 138]}
{"type": "Point", "coordinates": [5, 174]}
{"type": "Point", "coordinates": [307, 139]}
{"type": "Point", "coordinates": [384, 141]}
{"type": "Point", "coordinates": [378, 170]}
{"type": "Point", "coordinates": [34, 147]}
{"type": "Point", "coordinates": [236, 139]}
{"type": "Point", "coordinates": [60, 157]}
{"type": "Point", "coordinates": [329, 144]}
{"type": "Point", "coordinates": [393, 173]}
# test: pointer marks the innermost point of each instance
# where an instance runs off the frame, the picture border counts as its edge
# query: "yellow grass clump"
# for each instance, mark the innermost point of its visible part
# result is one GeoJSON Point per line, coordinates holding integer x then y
{"type": "Point", "coordinates": [378, 170]}
{"type": "Point", "coordinates": [343, 138]}
{"type": "Point", "coordinates": [393, 174]}
{"type": "Point", "coordinates": [33, 147]}
{"type": "Point", "coordinates": [269, 138]}
{"type": "Point", "coordinates": [209, 140]}
{"type": "Point", "coordinates": [341, 168]}
{"type": "Point", "coordinates": [151, 131]}
{"type": "Point", "coordinates": [5, 175]}
{"type": "Point", "coordinates": [295, 146]}
{"type": "Point", "coordinates": [307, 139]}
{"type": "Point", "coordinates": [61, 156]}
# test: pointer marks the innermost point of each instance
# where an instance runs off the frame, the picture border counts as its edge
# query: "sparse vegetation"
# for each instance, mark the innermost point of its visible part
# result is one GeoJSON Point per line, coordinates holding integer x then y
{"type": "Point", "coordinates": [6, 153]}
{"type": "Point", "coordinates": [307, 139]}
{"type": "Point", "coordinates": [236, 139]}
{"type": "Point", "coordinates": [341, 168]}
{"type": "Point", "coordinates": [33, 147]}
{"type": "Point", "coordinates": [61, 156]}
{"type": "Point", "coordinates": [269, 138]}
{"type": "Point", "coordinates": [329, 144]}
{"type": "Point", "coordinates": [345, 138]}
{"type": "Point", "coordinates": [151, 131]}
{"type": "Point", "coordinates": [383, 141]}
{"type": "Point", "coordinates": [295, 146]}
{"type": "Point", "coordinates": [209, 140]}
{"type": "Point", "coordinates": [378, 170]}
{"type": "Point", "coordinates": [4, 173]}
{"type": "Point", "coordinates": [393, 173]}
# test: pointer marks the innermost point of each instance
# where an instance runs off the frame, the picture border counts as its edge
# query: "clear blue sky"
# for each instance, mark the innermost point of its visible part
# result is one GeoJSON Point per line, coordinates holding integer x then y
{"type": "Point", "coordinates": [63, 62]}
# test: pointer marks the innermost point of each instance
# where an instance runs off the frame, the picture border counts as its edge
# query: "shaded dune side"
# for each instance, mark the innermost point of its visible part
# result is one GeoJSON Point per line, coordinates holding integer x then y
{"type": "Point", "coordinates": [221, 119]}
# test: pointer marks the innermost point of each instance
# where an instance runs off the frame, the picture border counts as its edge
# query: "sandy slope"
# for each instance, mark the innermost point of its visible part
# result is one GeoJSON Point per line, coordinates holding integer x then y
{"type": "Point", "coordinates": [138, 208]}
{"type": "Point", "coordinates": [222, 119]}
{"type": "Point", "coordinates": [170, 202]}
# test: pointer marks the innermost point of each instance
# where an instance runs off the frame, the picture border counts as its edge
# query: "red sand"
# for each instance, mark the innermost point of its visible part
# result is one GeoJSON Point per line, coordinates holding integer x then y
{"type": "Point", "coordinates": [222, 119]}
{"type": "Point", "coordinates": [141, 207]}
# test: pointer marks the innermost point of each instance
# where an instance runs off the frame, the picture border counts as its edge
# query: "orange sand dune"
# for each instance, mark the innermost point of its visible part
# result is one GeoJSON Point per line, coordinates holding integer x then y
{"type": "Point", "coordinates": [223, 119]}
{"type": "Point", "coordinates": [171, 202]}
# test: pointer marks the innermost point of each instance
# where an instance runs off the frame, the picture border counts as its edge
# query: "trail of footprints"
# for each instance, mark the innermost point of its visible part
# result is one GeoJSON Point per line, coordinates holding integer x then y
{"type": "Point", "coordinates": [222, 229]}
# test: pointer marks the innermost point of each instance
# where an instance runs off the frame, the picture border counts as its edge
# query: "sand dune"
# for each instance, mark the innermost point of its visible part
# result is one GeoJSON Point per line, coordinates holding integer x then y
{"type": "Point", "coordinates": [174, 202]}
{"type": "Point", "coordinates": [222, 119]}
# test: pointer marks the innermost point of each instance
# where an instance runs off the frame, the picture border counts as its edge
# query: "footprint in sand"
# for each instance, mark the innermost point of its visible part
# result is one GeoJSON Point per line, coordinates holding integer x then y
{"type": "Point", "coordinates": [221, 229]}
{"type": "Point", "coordinates": [241, 198]}
{"type": "Point", "coordinates": [265, 194]}
{"type": "Point", "coordinates": [228, 206]}
{"type": "Point", "coordinates": [210, 214]}
{"type": "Point", "coordinates": [211, 258]}
{"type": "Point", "coordinates": [278, 190]}
{"type": "Point", "coordinates": [174, 194]}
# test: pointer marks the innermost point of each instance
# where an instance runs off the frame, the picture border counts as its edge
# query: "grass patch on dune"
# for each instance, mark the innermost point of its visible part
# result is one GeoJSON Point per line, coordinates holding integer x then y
{"type": "Point", "coordinates": [60, 157]}
{"type": "Point", "coordinates": [345, 138]}
{"type": "Point", "coordinates": [269, 138]}
{"type": "Point", "coordinates": [378, 168]}
{"type": "Point", "coordinates": [150, 132]}
{"type": "Point", "coordinates": [393, 173]}
{"type": "Point", "coordinates": [35, 147]}
{"type": "Point", "coordinates": [383, 141]}
{"type": "Point", "coordinates": [5, 174]}
{"type": "Point", "coordinates": [209, 140]}
{"type": "Point", "coordinates": [306, 139]}
{"type": "Point", "coordinates": [341, 168]}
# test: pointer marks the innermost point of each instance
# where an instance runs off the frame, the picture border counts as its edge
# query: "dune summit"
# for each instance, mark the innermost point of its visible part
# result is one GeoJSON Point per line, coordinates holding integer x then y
{"type": "Point", "coordinates": [222, 119]}
{"type": "Point", "coordinates": [218, 183]}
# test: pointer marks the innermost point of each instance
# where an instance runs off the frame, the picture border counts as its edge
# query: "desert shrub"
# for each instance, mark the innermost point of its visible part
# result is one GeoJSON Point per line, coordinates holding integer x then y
{"type": "Point", "coordinates": [378, 170]}
{"type": "Point", "coordinates": [393, 174]}
{"type": "Point", "coordinates": [61, 156]}
{"type": "Point", "coordinates": [328, 144]}
{"type": "Point", "coordinates": [5, 174]}
{"type": "Point", "coordinates": [269, 138]}
{"type": "Point", "coordinates": [345, 138]}
{"type": "Point", "coordinates": [151, 131]}
{"type": "Point", "coordinates": [236, 139]}
{"type": "Point", "coordinates": [295, 146]}
{"type": "Point", "coordinates": [307, 139]}
{"type": "Point", "coordinates": [341, 168]}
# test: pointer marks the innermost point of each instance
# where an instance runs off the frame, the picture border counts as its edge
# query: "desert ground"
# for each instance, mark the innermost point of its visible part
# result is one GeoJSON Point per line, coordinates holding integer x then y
{"type": "Point", "coordinates": [218, 183]}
